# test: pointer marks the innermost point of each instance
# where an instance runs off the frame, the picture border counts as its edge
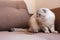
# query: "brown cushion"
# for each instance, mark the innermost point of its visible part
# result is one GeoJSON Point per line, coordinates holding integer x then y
{"type": "Point", "coordinates": [57, 21]}
{"type": "Point", "coordinates": [12, 17]}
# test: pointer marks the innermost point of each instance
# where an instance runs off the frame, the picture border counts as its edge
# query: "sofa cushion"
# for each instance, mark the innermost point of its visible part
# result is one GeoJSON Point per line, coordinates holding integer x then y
{"type": "Point", "coordinates": [19, 36]}
{"type": "Point", "coordinates": [8, 4]}
{"type": "Point", "coordinates": [13, 3]}
{"type": "Point", "coordinates": [12, 17]}
{"type": "Point", "coordinates": [28, 36]}
{"type": "Point", "coordinates": [57, 21]}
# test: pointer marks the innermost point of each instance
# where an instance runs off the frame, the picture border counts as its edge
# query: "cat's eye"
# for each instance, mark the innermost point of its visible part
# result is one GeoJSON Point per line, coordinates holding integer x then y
{"type": "Point", "coordinates": [38, 14]}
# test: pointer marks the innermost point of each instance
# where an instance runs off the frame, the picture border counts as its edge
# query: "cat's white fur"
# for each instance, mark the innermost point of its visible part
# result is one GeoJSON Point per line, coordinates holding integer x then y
{"type": "Point", "coordinates": [44, 19]}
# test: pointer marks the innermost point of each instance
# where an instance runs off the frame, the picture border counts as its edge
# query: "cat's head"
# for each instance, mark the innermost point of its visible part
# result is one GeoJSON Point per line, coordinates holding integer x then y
{"type": "Point", "coordinates": [41, 12]}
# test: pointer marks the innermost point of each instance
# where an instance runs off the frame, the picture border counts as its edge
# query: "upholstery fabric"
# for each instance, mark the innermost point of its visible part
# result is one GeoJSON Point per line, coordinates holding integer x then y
{"type": "Point", "coordinates": [28, 36]}
{"type": "Point", "coordinates": [13, 14]}
{"type": "Point", "coordinates": [14, 4]}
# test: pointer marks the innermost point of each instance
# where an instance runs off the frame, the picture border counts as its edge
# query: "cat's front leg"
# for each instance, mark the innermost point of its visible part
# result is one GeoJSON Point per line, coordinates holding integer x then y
{"type": "Point", "coordinates": [45, 29]}
{"type": "Point", "coordinates": [33, 25]}
{"type": "Point", "coordinates": [52, 29]}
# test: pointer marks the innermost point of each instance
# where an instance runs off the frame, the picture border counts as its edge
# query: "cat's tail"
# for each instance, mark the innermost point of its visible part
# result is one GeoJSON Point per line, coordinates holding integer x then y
{"type": "Point", "coordinates": [19, 30]}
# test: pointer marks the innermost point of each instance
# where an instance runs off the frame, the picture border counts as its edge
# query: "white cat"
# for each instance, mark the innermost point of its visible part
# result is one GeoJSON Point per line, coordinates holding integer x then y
{"type": "Point", "coordinates": [44, 19]}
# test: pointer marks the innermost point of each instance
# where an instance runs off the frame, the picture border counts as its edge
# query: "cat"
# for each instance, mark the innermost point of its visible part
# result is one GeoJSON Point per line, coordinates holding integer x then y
{"type": "Point", "coordinates": [43, 19]}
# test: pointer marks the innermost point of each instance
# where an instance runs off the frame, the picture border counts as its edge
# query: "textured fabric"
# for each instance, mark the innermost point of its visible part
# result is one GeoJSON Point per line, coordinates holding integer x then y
{"type": "Point", "coordinates": [28, 36]}
{"type": "Point", "coordinates": [49, 36]}
{"type": "Point", "coordinates": [57, 21]}
{"type": "Point", "coordinates": [13, 15]}
{"type": "Point", "coordinates": [14, 4]}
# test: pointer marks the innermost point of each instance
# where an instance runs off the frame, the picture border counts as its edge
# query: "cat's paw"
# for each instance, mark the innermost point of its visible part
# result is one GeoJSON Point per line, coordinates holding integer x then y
{"type": "Point", "coordinates": [54, 31]}
{"type": "Point", "coordinates": [47, 32]}
{"type": "Point", "coordinates": [33, 31]}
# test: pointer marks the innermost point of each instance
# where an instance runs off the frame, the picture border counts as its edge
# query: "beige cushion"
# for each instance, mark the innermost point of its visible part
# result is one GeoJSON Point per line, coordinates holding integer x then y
{"type": "Point", "coordinates": [28, 36]}
{"type": "Point", "coordinates": [13, 14]}
{"type": "Point", "coordinates": [14, 4]}
{"type": "Point", "coordinates": [12, 17]}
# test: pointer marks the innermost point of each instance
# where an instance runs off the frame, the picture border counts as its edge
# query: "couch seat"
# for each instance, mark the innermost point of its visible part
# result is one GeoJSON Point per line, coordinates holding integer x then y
{"type": "Point", "coordinates": [28, 36]}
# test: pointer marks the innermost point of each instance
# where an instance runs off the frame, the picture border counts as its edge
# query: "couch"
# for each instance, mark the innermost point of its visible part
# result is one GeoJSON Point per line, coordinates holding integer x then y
{"type": "Point", "coordinates": [14, 14]}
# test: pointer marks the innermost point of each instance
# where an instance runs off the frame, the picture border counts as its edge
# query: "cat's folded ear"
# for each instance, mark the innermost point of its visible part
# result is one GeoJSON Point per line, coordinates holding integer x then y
{"type": "Point", "coordinates": [44, 10]}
